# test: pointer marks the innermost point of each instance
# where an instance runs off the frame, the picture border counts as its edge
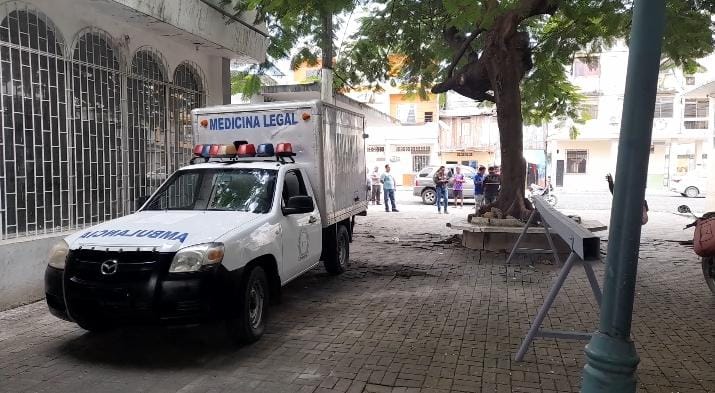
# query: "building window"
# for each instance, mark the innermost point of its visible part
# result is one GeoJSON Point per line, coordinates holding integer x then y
{"type": "Point", "coordinates": [407, 113]}
{"type": "Point", "coordinates": [586, 66]}
{"type": "Point", "coordinates": [695, 124]}
{"type": "Point", "coordinates": [34, 154]}
{"type": "Point", "coordinates": [663, 107]}
{"type": "Point", "coordinates": [97, 133]}
{"type": "Point", "coordinates": [419, 161]}
{"type": "Point", "coordinates": [589, 110]}
{"type": "Point", "coordinates": [414, 149]}
{"type": "Point", "coordinates": [689, 80]}
{"type": "Point", "coordinates": [428, 117]}
{"type": "Point", "coordinates": [465, 132]}
{"type": "Point", "coordinates": [148, 158]}
{"type": "Point", "coordinates": [576, 161]}
{"type": "Point", "coordinates": [185, 95]}
{"type": "Point", "coordinates": [375, 149]}
{"type": "Point", "coordinates": [696, 107]}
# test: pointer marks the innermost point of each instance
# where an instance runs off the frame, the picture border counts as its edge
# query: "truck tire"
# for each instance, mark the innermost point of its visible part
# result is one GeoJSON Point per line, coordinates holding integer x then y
{"type": "Point", "coordinates": [692, 192]}
{"type": "Point", "coordinates": [248, 320]}
{"type": "Point", "coordinates": [337, 253]}
{"type": "Point", "coordinates": [94, 326]}
{"type": "Point", "coordinates": [429, 196]}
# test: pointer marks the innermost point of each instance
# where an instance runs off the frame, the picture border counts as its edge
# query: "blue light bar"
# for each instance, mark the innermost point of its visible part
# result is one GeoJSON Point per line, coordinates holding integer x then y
{"type": "Point", "coordinates": [265, 150]}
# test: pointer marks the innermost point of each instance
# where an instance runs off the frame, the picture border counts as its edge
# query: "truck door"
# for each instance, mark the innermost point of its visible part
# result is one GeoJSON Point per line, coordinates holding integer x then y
{"type": "Point", "coordinates": [302, 232]}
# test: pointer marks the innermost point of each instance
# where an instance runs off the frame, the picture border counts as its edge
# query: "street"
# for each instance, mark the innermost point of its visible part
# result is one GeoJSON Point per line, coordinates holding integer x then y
{"type": "Point", "coordinates": [659, 201]}
{"type": "Point", "coordinates": [415, 312]}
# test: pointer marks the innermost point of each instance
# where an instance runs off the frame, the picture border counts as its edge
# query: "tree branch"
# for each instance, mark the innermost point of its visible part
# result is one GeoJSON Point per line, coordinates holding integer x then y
{"type": "Point", "coordinates": [463, 49]}
{"type": "Point", "coordinates": [530, 8]}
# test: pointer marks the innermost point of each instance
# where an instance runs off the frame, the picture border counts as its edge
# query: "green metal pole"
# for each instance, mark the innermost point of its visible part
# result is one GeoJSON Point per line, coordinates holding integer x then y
{"type": "Point", "coordinates": [611, 358]}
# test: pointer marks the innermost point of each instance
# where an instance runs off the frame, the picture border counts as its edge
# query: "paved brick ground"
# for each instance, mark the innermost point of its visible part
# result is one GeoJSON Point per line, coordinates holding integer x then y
{"type": "Point", "coordinates": [415, 313]}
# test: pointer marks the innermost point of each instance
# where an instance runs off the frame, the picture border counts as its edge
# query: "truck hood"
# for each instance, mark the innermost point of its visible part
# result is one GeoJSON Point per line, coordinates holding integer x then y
{"type": "Point", "coordinates": [163, 231]}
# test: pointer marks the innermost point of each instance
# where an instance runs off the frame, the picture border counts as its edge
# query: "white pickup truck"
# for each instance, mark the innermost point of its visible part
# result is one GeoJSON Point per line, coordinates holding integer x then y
{"type": "Point", "coordinates": [273, 189]}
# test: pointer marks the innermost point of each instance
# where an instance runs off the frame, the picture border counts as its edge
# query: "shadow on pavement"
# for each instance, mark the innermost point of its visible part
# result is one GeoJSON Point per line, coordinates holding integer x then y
{"type": "Point", "coordinates": [149, 348]}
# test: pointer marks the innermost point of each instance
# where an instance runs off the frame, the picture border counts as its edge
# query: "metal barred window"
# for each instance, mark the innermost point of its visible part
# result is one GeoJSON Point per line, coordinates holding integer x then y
{"type": "Point", "coordinates": [186, 94]}
{"type": "Point", "coordinates": [97, 130]}
{"type": "Point", "coordinates": [146, 90]}
{"type": "Point", "coordinates": [34, 175]}
{"type": "Point", "coordinates": [73, 150]}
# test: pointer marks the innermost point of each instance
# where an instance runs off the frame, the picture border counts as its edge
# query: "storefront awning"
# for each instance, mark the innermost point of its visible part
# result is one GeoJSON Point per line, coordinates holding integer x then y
{"type": "Point", "coordinates": [702, 91]}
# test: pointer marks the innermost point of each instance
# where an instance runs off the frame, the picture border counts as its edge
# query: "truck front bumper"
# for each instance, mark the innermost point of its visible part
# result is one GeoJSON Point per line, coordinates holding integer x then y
{"type": "Point", "coordinates": [140, 292]}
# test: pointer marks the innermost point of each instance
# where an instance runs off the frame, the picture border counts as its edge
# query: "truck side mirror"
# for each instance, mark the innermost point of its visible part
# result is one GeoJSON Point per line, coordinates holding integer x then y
{"type": "Point", "coordinates": [299, 205]}
{"type": "Point", "coordinates": [141, 201]}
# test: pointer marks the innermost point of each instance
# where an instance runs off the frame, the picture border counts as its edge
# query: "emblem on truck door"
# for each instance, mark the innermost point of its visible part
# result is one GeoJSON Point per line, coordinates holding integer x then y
{"type": "Point", "coordinates": [109, 267]}
{"type": "Point", "coordinates": [303, 244]}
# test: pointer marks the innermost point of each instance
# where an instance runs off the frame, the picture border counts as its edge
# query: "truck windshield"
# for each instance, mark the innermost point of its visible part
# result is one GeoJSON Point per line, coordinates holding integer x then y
{"type": "Point", "coordinates": [230, 189]}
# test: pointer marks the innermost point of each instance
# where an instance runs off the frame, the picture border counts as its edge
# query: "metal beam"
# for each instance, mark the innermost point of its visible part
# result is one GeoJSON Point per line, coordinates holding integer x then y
{"type": "Point", "coordinates": [583, 242]}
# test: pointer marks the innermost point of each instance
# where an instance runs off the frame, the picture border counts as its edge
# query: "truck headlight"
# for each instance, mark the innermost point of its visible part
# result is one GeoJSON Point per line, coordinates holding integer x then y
{"type": "Point", "coordinates": [192, 258]}
{"type": "Point", "coordinates": [58, 255]}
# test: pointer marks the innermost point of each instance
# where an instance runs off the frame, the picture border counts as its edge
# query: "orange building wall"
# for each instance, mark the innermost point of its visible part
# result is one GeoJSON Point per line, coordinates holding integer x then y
{"type": "Point", "coordinates": [431, 105]}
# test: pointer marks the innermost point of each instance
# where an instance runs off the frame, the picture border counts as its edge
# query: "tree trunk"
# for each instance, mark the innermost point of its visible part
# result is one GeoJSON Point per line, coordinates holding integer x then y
{"type": "Point", "coordinates": [505, 66]}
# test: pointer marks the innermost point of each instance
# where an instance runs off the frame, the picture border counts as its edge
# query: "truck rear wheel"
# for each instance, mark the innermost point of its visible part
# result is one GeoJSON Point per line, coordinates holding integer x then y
{"type": "Point", "coordinates": [248, 321]}
{"type": "Point", "coordinates": [337, 253]}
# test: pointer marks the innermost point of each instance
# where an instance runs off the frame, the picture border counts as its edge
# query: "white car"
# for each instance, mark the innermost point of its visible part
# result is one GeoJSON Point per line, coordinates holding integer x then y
{"type": "Point", "coordinates": [690, 185]}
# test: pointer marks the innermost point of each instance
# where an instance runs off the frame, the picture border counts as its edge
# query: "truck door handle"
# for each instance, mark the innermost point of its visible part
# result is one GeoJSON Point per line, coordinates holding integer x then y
{"type": "Point", "coordinates": [312, 220]}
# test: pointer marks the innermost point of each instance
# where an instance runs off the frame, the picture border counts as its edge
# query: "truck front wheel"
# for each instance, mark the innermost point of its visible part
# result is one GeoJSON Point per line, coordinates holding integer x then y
{"type": "Point", "coordinates": [337, 252]}
{"type": "Point", "coordinates": [248, 321]}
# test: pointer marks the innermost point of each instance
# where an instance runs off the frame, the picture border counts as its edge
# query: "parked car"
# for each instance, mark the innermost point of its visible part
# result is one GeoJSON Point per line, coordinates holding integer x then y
{"type": "Point", "coordinates": [691, 185]}
{"type": "Point", "coordinates": [424, 185]}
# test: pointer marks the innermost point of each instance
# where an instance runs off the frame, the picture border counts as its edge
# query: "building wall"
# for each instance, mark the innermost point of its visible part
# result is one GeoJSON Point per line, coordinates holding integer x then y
{"type": "Point", "coordinates": [23, 256]}
{"type": "Point", "coordinates": [401, 147]}
{"type": "Point", "coordinates": [483, 158]}
{"type": "Point", "coordinates": [600, 161]}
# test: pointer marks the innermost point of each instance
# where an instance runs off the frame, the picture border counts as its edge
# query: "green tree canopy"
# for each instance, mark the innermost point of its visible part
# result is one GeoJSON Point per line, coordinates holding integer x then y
{"type": "Point", "coordinates": [514, 53]}
{"type": "Point", "coordinates": [441, 37]}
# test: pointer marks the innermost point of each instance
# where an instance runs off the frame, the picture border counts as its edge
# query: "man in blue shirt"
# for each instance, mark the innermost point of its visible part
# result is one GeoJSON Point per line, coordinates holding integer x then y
{"type": "Point", "coordinates": [479, 187]}
{"type": "Point", "coordinates": [388, 188]}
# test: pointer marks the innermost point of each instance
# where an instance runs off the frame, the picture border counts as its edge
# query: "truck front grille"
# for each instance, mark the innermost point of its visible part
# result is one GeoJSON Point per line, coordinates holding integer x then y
{"type": "Point", "coordinates": [131, 266]}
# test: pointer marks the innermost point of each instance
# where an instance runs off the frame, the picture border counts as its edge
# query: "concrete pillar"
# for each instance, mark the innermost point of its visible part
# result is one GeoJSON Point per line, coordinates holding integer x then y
{"type": "Point", "coordinates": [225, 81]}
{"type": "Point", "coordinates": [709, 149]}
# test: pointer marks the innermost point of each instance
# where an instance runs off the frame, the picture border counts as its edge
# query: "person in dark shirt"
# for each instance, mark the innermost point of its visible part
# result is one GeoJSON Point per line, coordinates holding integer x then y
{"type": "Point", "coordinates": [644, 214]}
{"type": "Point", "coordinates": [479, 187]}
{"type": "Point", "coordinates": [492, 184]}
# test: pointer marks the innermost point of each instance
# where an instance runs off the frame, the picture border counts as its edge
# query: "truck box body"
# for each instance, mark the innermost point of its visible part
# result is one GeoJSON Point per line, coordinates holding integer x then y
{"type": "Point", "coordinates": [328, 141]}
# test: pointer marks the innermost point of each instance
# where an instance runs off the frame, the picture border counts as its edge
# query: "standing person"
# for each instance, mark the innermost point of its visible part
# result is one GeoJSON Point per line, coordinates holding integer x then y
{"type": "Point", "coordinates": [492, 184]}
{"type": "Point", "coordinates": [440, 184]}
{"type": "Point", "coordinates": [479, 187]}
{"type": "Point", "coordinates": [375, 181]}
{"type": "Point", "coordinates": [458, 187]}
{"type": "Point", "coordinates": [645, 209]}
{"type": "Point", "coordinates": [388, 187]}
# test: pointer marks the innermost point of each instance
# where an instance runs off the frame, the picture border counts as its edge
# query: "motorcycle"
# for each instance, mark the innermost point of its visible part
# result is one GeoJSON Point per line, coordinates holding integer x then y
{"type": "Point", "coordinates": [708, 261]}
{"type": "Point", "coordinates": [547, 193]}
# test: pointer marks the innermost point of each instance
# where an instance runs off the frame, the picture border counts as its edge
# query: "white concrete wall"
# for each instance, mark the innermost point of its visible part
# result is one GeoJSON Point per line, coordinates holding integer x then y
{"type": "Point", "coordinates": [600, 161]}
{"type": "Point", "coordinates": [23, 261]}
{"type": "Point", "coordinates": [22, 269]}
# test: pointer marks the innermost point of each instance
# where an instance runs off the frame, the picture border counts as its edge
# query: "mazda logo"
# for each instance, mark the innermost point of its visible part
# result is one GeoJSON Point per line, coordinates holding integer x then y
{"type": "Point", "coordinates": [109, 267]}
